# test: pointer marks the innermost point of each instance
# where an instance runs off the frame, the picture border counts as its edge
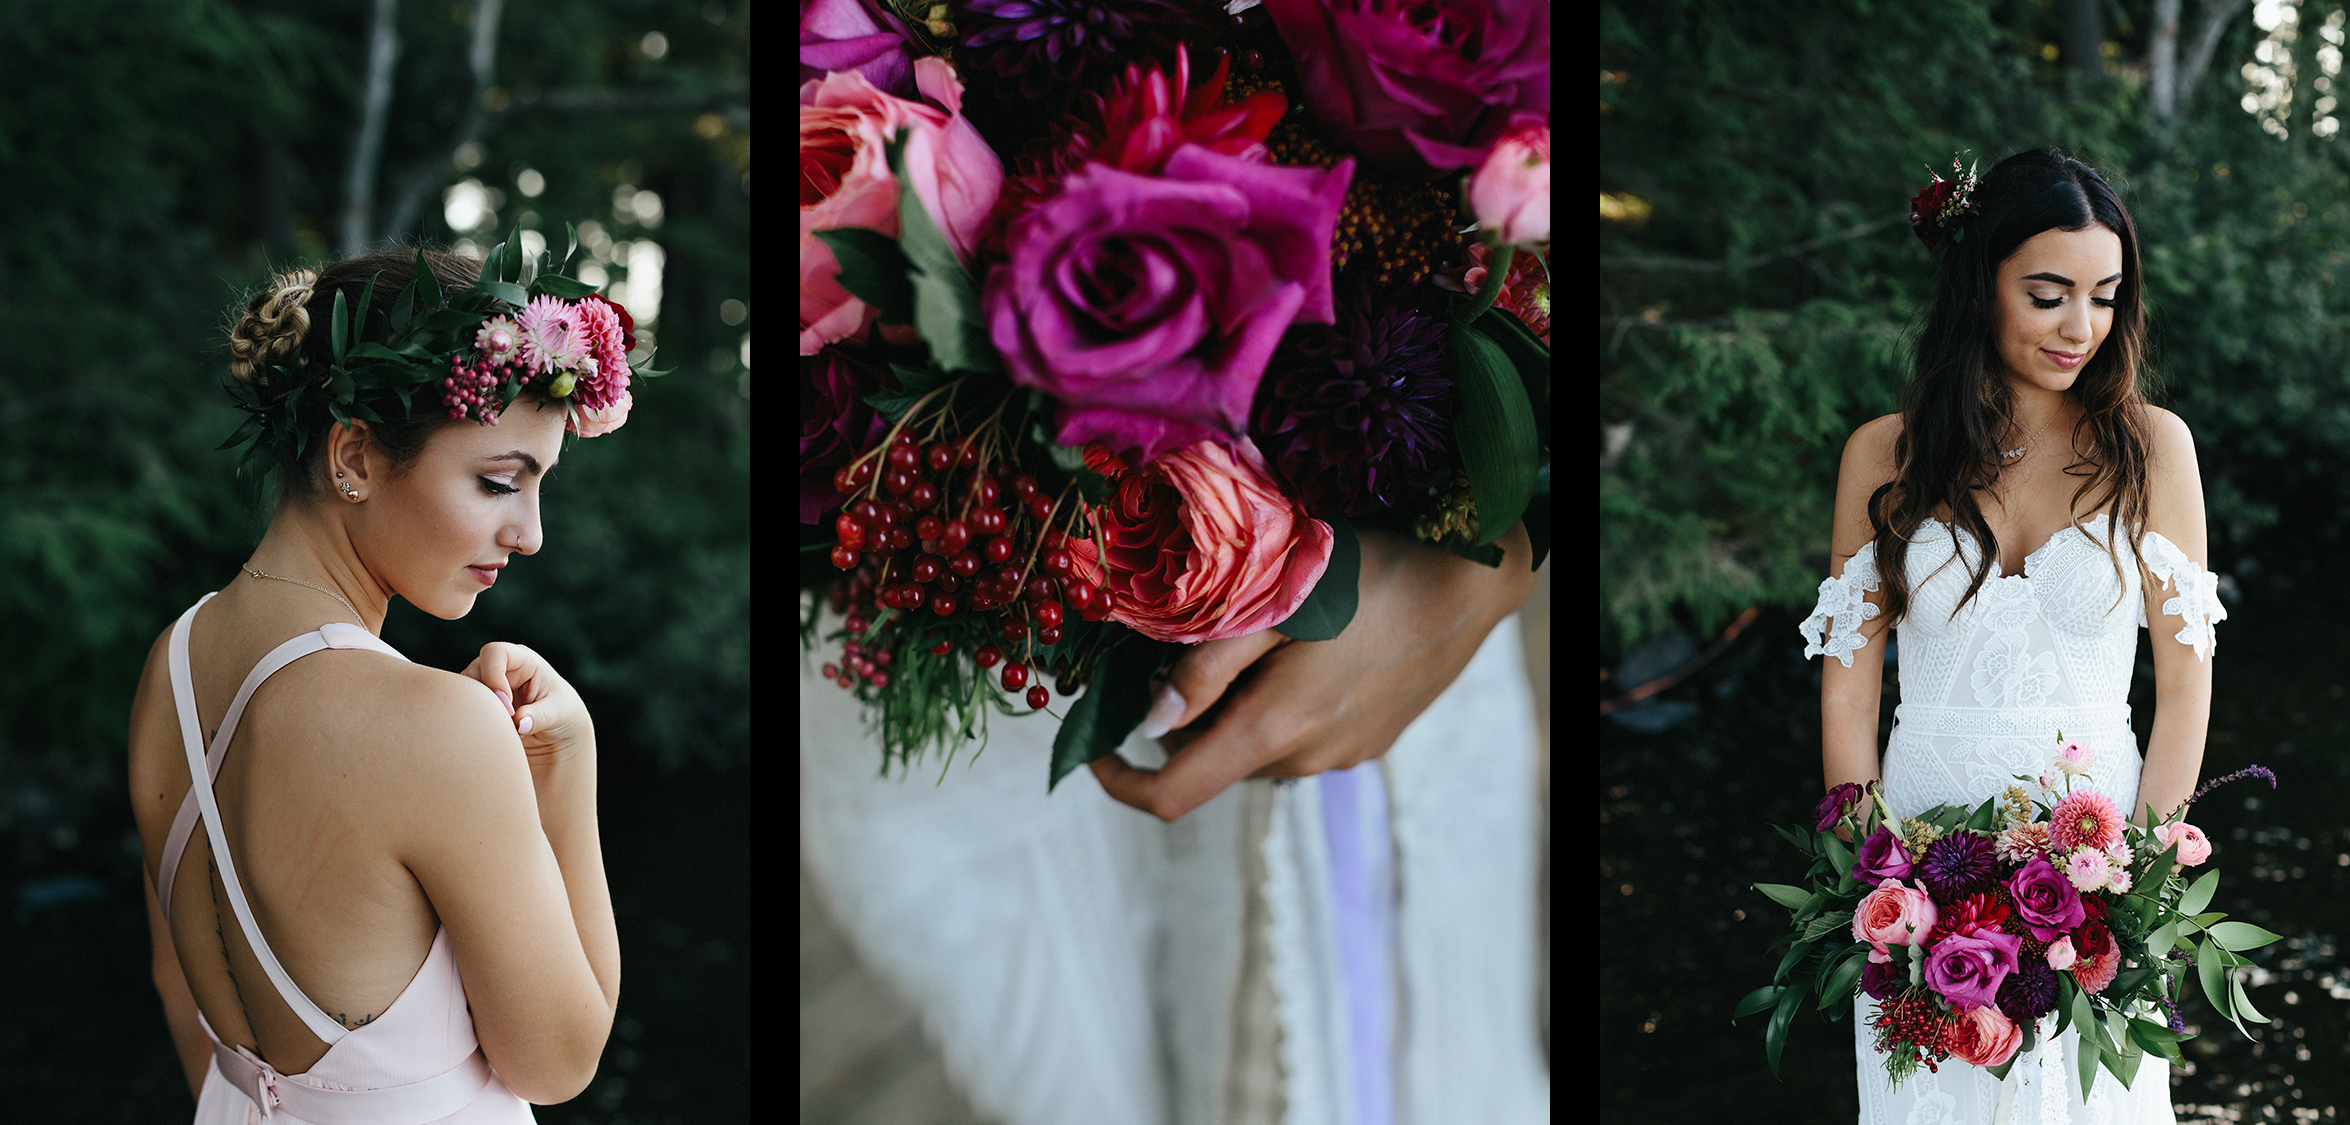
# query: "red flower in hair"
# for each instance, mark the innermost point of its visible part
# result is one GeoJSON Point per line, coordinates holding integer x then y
{"type": "Point", "coordinates": [1933, 211]}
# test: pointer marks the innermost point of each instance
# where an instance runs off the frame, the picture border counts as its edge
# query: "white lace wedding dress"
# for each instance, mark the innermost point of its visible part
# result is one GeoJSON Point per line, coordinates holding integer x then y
{"type": "Point", "coordinates": [1982, 699]}
{"type": "Point", "coordinates": [1356, 948]}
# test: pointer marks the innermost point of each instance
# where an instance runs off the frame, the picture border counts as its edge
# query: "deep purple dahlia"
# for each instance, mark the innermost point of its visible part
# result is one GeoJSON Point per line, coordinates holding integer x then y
{"type": "Point", "coordinates": [1957, 865]}
{"type": "Point", "coordinates": [2029, 992]}
{"type": "Point", "coordinates": [1354, 416]}
{"type": "Point", "coordinates": [1040, 43]}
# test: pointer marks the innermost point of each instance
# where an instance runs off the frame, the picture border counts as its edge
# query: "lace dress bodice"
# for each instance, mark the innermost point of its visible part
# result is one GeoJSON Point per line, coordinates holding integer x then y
{"type": "Point", "coordinates": [1985, 688]}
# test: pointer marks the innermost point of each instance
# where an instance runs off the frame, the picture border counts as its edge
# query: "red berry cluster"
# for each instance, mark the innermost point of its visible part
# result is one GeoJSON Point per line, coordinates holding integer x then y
{"type": "Point", "coordinates": [937, 534]}
{"type": "Point", "coordinates": [1914, 1022]}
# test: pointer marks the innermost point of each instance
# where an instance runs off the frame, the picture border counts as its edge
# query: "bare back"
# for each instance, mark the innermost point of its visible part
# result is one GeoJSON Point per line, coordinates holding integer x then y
{"type": "Point", "coordinates": [346, 920]}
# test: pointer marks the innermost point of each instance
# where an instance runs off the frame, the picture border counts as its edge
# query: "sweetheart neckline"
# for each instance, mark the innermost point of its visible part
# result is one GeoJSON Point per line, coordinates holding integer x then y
{"type": "Point", "coordinates": [2026, 572]}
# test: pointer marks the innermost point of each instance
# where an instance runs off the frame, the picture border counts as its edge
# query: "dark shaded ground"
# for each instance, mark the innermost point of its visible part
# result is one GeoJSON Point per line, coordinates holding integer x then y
{"type": "Point", "coordinates": [82, 1036]}
{"type": "Point", "coordinates": [1684, 816]}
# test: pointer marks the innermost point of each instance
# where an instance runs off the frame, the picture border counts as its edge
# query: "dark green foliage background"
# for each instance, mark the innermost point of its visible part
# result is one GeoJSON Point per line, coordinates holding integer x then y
{"type": "Point", "coordinates": [136, 207]}
{"type": "Point", "coordinates": [128, 159]}
{"type": "Point", "coordinates": [1750, 133]}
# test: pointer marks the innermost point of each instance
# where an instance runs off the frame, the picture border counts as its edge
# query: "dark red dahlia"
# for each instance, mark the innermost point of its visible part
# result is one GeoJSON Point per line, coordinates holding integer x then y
{"type": "Point", "coordinates": [1042, 43]}
{"type": "Point", "coordinates": [1957, 865]}
{"type": "Point", "coordinates": [1353, 416]}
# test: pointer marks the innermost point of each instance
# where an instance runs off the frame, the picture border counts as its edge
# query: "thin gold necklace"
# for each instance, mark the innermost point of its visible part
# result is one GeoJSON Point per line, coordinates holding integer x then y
{"type": "Point", "coordinates": [315, 586]}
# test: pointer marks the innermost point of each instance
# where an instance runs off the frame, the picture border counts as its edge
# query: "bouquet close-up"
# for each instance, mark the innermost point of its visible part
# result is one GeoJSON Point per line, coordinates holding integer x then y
{"type": "Point", "coordinates": [1983, 933]}
{"type": "Point", "coordinates": [1120, 325]}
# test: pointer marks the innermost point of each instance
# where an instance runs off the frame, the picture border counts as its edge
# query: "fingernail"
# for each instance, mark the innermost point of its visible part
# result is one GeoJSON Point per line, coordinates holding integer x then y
{"type": "Point", "coordinates": [525, 727]}
{"type": "Point", "coordinates": [506, 699]}
{"type": "Point", "coordinates": [1164, 712]}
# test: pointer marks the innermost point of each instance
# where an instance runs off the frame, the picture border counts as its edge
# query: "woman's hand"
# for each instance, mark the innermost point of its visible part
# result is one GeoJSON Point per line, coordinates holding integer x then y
{"type": "Point", "coordinates": [548, 713]}
{"type": "Point", "coordinates": [1311, 706]}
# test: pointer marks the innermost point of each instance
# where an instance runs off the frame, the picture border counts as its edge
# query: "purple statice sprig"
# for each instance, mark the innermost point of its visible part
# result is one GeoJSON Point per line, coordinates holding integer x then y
{"type": "Point", "coordinates": [2248, 771]}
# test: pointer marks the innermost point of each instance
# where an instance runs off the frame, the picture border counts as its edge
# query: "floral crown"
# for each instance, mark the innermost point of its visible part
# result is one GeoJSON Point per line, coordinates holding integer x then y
{"type": "Point", "coordinates": [1936, 213]}
{"type": "Point", "coordinates": [520, 326]}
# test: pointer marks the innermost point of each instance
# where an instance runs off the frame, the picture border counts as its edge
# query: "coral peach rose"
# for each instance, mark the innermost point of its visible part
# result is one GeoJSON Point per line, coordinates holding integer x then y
{"type": "Point", "coordinates": [1985, 1036]}
{"type": "Point", "coordinates": [1892, 915]}
{"type": "Point", "coordinates": [1201, 545]}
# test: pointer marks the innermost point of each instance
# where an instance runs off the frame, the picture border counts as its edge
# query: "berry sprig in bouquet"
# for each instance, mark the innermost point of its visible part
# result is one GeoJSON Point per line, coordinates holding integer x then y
{"type": "Point", "coordinates": [1970, 927]}
{"type": "Point", "coordinates": [1100, 361]}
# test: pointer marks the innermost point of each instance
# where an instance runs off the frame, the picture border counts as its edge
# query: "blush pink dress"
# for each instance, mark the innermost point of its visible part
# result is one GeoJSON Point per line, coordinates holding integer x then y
{"type": "Point", "coordinates": [416, 1064]}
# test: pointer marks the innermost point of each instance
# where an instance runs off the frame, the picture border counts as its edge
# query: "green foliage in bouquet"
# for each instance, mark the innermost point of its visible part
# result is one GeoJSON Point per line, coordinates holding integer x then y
{"type": "Point", "coordinates": [2155, 926]}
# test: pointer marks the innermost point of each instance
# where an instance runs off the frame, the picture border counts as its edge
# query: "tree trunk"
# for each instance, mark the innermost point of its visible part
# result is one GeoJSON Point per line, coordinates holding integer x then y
{"type": "Point", "coordinates": [2162, 61]}
{"type": "Point", "coordinates": [383, 49]}
{"type": "Point", "coordinates": [420, 178]}
{"type": "Point", "coordinates": [2084, 35]}
{"type": "Point", "coordinates": [2216, 14]}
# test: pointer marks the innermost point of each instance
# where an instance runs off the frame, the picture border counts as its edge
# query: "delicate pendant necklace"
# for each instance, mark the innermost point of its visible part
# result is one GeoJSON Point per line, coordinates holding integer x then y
{"type": "Point", "coordinates": [2018, 451]}
{"type": "Point", "coordinates": [362, 621]}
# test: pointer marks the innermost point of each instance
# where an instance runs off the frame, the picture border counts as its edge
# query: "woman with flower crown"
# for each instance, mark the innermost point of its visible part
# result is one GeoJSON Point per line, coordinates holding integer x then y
{"type": "Point", "coordinates": [2021, 518]}
{"type": "Point", "coordinates": [375, 889]}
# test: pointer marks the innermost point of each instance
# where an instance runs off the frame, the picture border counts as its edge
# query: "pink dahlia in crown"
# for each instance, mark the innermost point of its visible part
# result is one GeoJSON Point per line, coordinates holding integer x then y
{"type": "Point", "coordinates": [551, 340]}
{"type": "Point", "coordinates": [599, 327]}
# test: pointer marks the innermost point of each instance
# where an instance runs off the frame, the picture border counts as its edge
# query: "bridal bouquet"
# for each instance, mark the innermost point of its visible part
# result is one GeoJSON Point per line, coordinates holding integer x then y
{"type": "Point", "coordinates": [1968, 927]}
{"type": "Point", "coordinates": [1102, 358]}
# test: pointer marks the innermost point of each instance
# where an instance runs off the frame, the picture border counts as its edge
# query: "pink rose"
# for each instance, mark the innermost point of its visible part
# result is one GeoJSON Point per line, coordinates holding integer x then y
{"type": "Point", "coordinates": [587, 422]}
{"type": "Point", "coordinates": [1893, 915]}
{"type": "Point", "coordinates": [1149, 305]}
{"type": "Point", "coordinates": [2193, 847]}
{"type": "Point", "coordinates": [1201, 545]}
{"type": "Point", "coordinates": [1985, 1036]}
{"type": "Point", "coordinates": [1510, 192]}
{"type": "Point", "coordinates": [845, 181]}
{"type": "Point", "coordinates": [2061, 954]}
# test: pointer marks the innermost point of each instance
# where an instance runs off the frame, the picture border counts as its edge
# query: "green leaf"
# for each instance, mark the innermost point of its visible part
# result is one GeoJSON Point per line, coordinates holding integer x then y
{"type": "Point", "coordinates": [1794, 954]}
{"type": "Point", "coordinates": [1775, 1040]}
{"type": "Point", "coordinates": [1331, 605]}
{"type": "Point", "coordinates": [2242, 1004]}
{"type": "Point", "coordinates": [369, 349]}
{"type": "Point", "coordinates": [2086, 1020]}
{"type": "Point", "coordinates": [1792, 898]}
{"type": "Point", "coordinates": [2122, 1055]}
{"type": "Point", "coordinates": [366, 305]}
{"type": "Point", "coordinates": [1838, 852]}
{"type": "Point", "coordinates": [1495, 426]}
{"type": "Point", "coordinates": [1828, 923]}
{"type": "Point", "coordinates": [342, 327]}
{"type": "Point", "coordinates": [2208, 973]}
{"type": "Point", "coordinates": [428, 286]}
{"type": "Point", "coordinates": [1756, 1001]}
{"type": "Point", "coordinates": [1116, 703]}
{"type": "Point", "coordinates": [1841, 982]}
{"type": "Point", "coordinates": [2238, 936]}
{"type": "Point", "coordinates": [1802, 841]}
{"type": "Point", "coordinates": [506, 291]}
{"type": "Point", "coordinates": [2199, 895]}
{"type": "Point", "coordinates": [946, 298]}
{"type": "Point", "coordinates": [403, 310]}
{"type": "Point", "coordinates": [567, 288]}
{"type": "Point", "coordinates": [874, 269]}
{"type": "Point", "coordinates": [1982, 818]}
{"type": "Point", "coordinates": [251, 426]}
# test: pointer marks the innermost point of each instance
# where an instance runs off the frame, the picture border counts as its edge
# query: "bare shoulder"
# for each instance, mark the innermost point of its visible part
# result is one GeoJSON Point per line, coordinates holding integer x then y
{"type": "Point", "coordinates": [431, 728]}
{"type": "Point", "coordinates": [1870, 449]}
{"type": "Point", "coordinates": [2170, 445]}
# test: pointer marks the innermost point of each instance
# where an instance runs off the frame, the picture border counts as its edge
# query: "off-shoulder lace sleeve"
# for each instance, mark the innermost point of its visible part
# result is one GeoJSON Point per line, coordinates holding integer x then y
{"type": "Point", "coordinates": [1833, 629]}
{"type": "Point", "coordinates": [2198, 593]}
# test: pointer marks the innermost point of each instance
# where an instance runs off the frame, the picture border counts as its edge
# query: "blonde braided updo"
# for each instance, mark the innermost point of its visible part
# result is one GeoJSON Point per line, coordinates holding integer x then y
{"type": "Point", "coordinates": [273, 325]}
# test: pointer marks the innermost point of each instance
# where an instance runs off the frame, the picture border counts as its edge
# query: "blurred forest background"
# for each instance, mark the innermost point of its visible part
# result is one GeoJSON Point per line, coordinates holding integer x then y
{"type": "Point", "coordinates": [159, 159]}
{"type": "Point", "coordinates": [1759, 283]}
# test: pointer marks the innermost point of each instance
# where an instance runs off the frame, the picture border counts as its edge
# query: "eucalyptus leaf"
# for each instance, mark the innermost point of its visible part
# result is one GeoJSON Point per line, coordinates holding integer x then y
{"type": "Point", "coordinates": [2238, 936]}
{"type": "Point", "coordinates": [2199, 895]}
{"type": "Point", "coordinates": [2242, 1004]}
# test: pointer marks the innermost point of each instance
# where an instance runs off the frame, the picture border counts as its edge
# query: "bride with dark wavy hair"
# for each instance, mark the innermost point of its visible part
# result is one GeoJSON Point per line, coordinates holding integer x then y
{"type": "Point", "coordinates": [2018, 522]}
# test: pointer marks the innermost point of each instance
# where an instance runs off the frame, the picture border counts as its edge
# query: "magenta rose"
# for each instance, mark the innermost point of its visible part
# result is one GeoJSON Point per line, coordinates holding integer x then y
{"type": "Point", "coordinates": [1148, 305]}
{"type": "Point", "coordinates": [2046, 900]}
{"type": "Point", "coordinates": [1968, 970]}
{"type": "Point", "coordinates": [1419, 88]}
{"type": "Point", "coordinates": [845, 181]}
{"type": "Point", "coordinates": [1882, 856]}
{"type": "Point", "coordinates": [859, 35]}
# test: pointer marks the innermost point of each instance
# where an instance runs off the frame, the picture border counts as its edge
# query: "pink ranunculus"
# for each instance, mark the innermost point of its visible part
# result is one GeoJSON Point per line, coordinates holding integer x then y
{"type": "Point", "coordinates": [1893, 914]}
{"type": "Point", "coordinates": [2193, 847]}
{"type": "Point", "coordinates": [2061, 954]}
{"type": "Point", "coordinates": [1149, 305]}
{"type": "Point", "coordinates": [1510, 192]}
{"type": "Point", "coordinates": [859, 35]}
{"type": "Point", "coordinates": [1968, 970]}
{"type": "Point", "coordinates": [1419, 88]}
{"type": "Point", "coordinates": [590, 422]}
{"type": "Point", "coordinates": [1985, 1036]}
{"type": "Point", "coordinates": [845, 181]}
{"type": "Point", "coordinates": [1201, 545]}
